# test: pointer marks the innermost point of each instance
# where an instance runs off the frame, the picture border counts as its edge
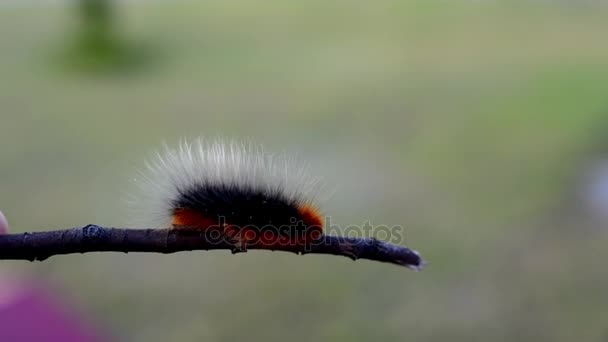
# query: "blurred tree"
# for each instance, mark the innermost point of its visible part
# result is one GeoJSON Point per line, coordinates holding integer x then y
{"type": "Point", "coordinates": [97, 17]}
{"type": "Point", "coordinates": [98, 44]}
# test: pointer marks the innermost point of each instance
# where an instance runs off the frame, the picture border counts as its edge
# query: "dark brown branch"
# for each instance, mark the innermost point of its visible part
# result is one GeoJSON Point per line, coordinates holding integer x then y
{"type": "Point", "coordinates": [92, 238]}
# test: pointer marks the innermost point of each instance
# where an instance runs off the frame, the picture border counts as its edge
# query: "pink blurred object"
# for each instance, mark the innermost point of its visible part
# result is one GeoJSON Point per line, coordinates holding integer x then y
{"type": "Point", "coordinates": [29, 313]}
{"type": "Point", "coordinates": [3, 224]}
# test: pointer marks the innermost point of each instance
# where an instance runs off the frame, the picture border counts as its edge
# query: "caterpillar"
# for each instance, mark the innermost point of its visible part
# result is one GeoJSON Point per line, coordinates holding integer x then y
{"type": "Point", "coordinates": [235, 190]}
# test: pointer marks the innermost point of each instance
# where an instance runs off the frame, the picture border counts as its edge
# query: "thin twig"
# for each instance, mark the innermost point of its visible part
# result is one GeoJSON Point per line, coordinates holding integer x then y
{"type": "Point", "coordinates": [92, 238]}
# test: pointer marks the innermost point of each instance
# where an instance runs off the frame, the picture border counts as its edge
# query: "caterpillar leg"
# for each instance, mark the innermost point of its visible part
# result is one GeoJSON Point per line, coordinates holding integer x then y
{"type": "Point", "coordinates": [239, 246]}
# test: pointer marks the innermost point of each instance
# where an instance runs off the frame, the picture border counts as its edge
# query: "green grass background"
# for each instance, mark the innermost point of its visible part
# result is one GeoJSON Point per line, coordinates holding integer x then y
{"type": "Point", "coordinates": [468, 123]}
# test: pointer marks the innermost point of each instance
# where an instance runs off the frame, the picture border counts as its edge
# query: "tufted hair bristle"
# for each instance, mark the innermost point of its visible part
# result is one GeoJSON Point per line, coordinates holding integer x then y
{"type": "Point", "coordinates": [174, 172]}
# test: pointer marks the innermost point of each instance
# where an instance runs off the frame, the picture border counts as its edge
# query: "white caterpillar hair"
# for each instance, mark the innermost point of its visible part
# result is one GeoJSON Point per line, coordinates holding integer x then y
{"type": "Point", "coordinates": [233, 165]}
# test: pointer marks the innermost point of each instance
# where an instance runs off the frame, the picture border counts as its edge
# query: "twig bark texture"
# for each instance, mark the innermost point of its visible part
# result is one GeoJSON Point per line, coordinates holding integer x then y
{"type": "Point", "coordinates": [92, 238]}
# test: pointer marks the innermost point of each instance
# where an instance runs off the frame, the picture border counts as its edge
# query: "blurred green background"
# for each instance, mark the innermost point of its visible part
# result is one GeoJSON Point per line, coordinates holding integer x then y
{"type": "Point", "coordinates": [478, 126]}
